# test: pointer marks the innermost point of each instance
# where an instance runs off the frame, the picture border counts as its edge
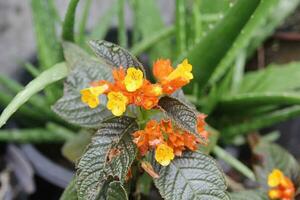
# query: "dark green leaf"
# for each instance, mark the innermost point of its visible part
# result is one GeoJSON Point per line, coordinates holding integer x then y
{"type": "Point", "coordinates": [69, 21]}
{"type": "Point", "coordinates": [184, 116]}
{"type": "Point", "coordinates": [207, 53]}
{"type": "Point", "coordinates": [260, 121]}
{"type": "Point", "coordinates": [249, 194]}
{"type": "Point", "coordinates": [84, 70]}
{"type": "Point", "coordinates": [191, 176]}
{"type": "Point", "coordinates": [114, 55]}
{"type": "Point", "coordinates": [272, 156]}
{"type": "Point", "coordinates": [116, 191]}
{"type": "Point", "coordinates": [267, 16]}
{"type": "Point", "coordinates": [70, 192]}
{"type": "Point", "coordinates": [110, 153]}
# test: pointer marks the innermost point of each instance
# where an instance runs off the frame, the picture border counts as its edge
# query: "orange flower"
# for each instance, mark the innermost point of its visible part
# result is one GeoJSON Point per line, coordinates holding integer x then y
{"type": "Point", "coordinates": [162, 68]}
{"type": "Point", "coordinates": [132, 87]}
{"type": "Point", "coordinates": [142, 141]}
{"type": "Point", "coordinates": [164, 132]}
{"type": "Point", "coordinates": [172, 79]}
{"type": "Point", "coordinates": [281, 187]}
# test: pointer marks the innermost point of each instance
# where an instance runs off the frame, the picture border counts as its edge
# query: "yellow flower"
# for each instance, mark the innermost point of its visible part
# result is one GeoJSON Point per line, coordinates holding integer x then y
{"type": "Point", "coordinates": [90, 95]}
{"type": "Point", "coordinates": [164, 154]}
{"type": "Point", "coordinates": [183, 70]}
{"type": "Point", "coordinates": [275, 194]}
{"type": "Point", "coordinates": [275, 178]}
{"type": "Point", "coordinates": [133, 79]}
{"type": "Point", "coordinates": [117, 103]}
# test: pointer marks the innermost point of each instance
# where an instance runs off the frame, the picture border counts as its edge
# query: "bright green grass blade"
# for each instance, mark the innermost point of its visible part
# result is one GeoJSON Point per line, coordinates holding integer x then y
{"type": "Point", "coordinates": [68, 25]}
{"type": "Point", "coordinates": [53, 74]}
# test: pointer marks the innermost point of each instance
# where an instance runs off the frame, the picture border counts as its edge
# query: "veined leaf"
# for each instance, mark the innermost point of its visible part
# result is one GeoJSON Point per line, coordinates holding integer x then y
{"type": "Point", "coordinates": [116, 191]}
{"type": "Point", "coordinates": [183, 115]}
{"type": "Point", "coordinates": [53, 74]}
{"type": "Point", "coordinates": [272, 156]}
{"type": "Point", "coordinates": [70, 192]}
{"type": "Point", "coordinates": [249, 194]}
{"type": "Point", "coordinates": [267, 16]}
{"type": "Point", "coordinates": [191, 176]}
{"type": "Point", "coordinates": [114, 55]}
{"type": "Point", "coordinates": [208, 52]}
{"type": "Point", "coordinates": [110, 153]}
{"type": "Point", "coordinates": [84, 70]}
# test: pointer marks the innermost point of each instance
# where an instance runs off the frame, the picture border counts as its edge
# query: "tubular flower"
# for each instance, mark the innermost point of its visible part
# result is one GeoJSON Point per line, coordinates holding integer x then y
{"type": "Point", "coordinates": [117, 103]}
{"type": "Point", "coordinates": [164, 154]}
{"type": "Point", "coordinates": [90, 95]}
{"type": "Point", "coordinates": [281, 187]}
{"type": "Point", "coordinates": [164, 132]}
{"type": "Point", "coordinates": [133, 79]}
{"type": "Point", "coordinates": [172, 79]}
{"type": "Point", "coordinates": [132, 86]}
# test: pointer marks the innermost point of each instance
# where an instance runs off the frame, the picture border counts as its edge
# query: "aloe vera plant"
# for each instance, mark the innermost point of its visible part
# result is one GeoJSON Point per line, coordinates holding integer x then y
{"type": "Point", "coordinates": [217, 38]}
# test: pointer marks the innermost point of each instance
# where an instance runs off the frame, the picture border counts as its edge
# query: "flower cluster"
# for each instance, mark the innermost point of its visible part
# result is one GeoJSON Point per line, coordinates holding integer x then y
{"type": "Point", "coordinates": [167, 139]}
{"type": "Point", "coordinates": [131, 87]}
{"type": "Point", "coordinates": [282, 188]}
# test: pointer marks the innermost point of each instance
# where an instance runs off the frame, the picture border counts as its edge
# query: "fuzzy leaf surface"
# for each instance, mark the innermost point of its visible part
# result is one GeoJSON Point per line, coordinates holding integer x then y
{"type": "Point", "coordinates": [192, 176]}
{"type": "Point", "coordinates": [98, 162]}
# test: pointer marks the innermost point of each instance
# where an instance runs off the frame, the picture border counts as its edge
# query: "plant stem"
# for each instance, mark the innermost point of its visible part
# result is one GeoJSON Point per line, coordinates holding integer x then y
{"type": "Point", "coordinates": [233, 162]}
{"type": "Point", "coordinates": [68, 25]}
{"type": "Point", "coordinates": [147, 43]}
{"type": "Point", "coordinates": [122, 37]}
{"type": "Point", "coordinates": [180, 26]}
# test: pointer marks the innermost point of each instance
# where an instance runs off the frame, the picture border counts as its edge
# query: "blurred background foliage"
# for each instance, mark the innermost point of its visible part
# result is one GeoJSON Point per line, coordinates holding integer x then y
{"type": "Point", "coordinates": [223, 39]}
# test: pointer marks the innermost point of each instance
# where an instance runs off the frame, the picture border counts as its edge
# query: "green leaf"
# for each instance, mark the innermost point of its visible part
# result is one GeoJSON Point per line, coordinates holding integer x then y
{"type": "Point", "coordinates": [104, 23]}
{"type": "Point", "coordinates": [116, 191]}
{"type": "Point", "coordinates": [208, 52]}
{"type": "Point", "coordinates": [122, 32]}
{"type": "Point", "coordinates": [145, 27]}
{"type": "Point", "coordinates": [80, 39]}
{"type": "Point", "coordinates": [114, 55]}
{"type": "Point", "coordinates": [53, 74]}
{"type": "Point", "coordinates": [249, 194]}
{"type": "Point", "coordinates": [261, 121]}
{"type": "Point", "coordinates": [150, 41]}
{"type": "Point", "coordinates": [49, 49]}
{"type": "Point", "coordinates": [84, 70]}
{"type": "Point", "coordinates": [274, 78]}
{"type": "Point", "coordinates": [180, 22]}
{"type": "Point", "coordinates": [267, 16]}
{"type": "Point", "coordinates": [75, 147]}
{"type": "Point", "coordinates": [70, 192]}
{"type": "Point", "coordinates": [69, 21]}
{"type": "Point", "coordinates": [110, 153]}
{"type": "Point", "coordinates": [184, 116]}
{"type": "Point", "coordinates": [32, 135]}
{"type": "Point", "coordinates": [191, 176]}
{"type": "Point", "coordinates": [272, 156]}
